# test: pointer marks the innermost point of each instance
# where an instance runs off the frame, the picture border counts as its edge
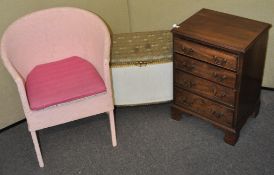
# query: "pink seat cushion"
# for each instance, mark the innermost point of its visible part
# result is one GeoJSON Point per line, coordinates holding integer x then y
{"type": "Point", "coordinates": [62, 81]}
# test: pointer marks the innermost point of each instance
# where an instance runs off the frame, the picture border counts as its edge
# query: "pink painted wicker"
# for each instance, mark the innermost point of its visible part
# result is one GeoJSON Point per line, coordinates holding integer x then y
{"type": "Point", "coordinates": [51, 35]}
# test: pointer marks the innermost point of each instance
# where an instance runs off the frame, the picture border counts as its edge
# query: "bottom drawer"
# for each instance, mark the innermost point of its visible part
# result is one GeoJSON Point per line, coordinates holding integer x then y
{"type": "Point", "coordinates": [204, 107]}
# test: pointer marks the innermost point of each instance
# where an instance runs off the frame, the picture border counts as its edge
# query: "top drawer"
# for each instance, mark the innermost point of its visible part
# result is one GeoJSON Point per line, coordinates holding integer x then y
{"type": "Point", "coordinates": [216, 57]}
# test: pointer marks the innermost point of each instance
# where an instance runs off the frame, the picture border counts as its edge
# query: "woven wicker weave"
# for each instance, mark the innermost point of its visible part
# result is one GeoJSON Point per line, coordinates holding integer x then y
{"type": "Point", "coordinates": [141, 48]}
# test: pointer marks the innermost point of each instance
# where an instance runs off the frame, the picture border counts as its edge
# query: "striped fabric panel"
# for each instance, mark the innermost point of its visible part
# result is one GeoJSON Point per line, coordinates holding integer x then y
{"type": "Point", "coordinates": [62, 81]}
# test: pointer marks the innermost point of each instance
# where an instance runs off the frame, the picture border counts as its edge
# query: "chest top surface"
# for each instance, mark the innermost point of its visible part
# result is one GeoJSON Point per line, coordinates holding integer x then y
{"type": "Point", "coordinates": [216, 28]}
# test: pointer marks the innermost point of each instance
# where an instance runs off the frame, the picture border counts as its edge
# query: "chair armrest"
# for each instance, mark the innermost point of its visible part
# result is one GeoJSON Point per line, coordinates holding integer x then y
{"type": "Point", "coordinates": [20, 85]}
{"type": "Point", "coordinates": [107, 75]}
{"type": "Point", "coordinates": [22, 93]}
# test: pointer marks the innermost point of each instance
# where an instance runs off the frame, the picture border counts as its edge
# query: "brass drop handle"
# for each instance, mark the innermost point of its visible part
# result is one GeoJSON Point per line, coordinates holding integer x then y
{"type": "Point", "coordinates": [223, 94]}
{"type": "Point", "coordinates": [222, 78]}
{"type": "Point", "coordinates": [184, 101]}
{"type": "Point", "coordinates": [215, 93]}
{"type": "Point", "coordinates": [188, 84]}
{"type": "Point", "coordinates": [219, 61]}
{"type": "Point", "coordinates": [186, 50]}
{"type": "Point", "coordinates": [218, 77]}
{"type": "Point", "coordinates": [217, 114]}
{"type": "Point", "coordinates": [214, 74]}
{"type": "Point", "coordinates": [202, 101]}
{"type": "Point", "coordinates": [188, 66]}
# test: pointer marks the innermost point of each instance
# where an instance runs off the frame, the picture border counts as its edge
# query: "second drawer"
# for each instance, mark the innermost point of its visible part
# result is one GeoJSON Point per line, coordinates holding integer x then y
{"type": "Point", "coordinates": [205, 70]}
{"type": "Point", "coordinates": [205, 88]}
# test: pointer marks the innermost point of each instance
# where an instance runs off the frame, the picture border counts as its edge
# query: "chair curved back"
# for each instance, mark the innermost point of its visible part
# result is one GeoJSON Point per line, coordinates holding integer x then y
{"type": "Point", "coordinates": [52, 34]}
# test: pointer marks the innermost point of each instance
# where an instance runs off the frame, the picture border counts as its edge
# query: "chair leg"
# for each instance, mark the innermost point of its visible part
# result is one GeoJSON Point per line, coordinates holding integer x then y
{"type": "Point", "coordinates": [37, 148]}
{"type": "Point", "coordinates": [112, 128]}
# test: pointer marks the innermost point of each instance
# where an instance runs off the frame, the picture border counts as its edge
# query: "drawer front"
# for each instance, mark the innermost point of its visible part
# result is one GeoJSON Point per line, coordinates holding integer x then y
{"type": "Point", "coordinates": [216, 57]}
{"type": "Point", "coordinates": [205, 88]}
{"type": "Point", "coordinates": [204, 107]}
{"type": "Point", "coordinates": [204, 70]}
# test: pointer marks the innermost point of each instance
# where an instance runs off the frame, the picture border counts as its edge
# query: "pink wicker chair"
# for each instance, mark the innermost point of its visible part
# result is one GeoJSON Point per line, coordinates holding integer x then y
{"type": "Point", "coordinates": [56, 56]}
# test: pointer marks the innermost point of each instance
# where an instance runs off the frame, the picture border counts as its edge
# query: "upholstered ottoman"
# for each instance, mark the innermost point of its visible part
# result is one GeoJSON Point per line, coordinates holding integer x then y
{"type": "Point", "coordinates": [141, 66]}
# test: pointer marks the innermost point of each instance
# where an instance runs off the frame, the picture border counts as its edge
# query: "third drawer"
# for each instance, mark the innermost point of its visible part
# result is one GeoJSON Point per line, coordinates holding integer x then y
{"type": "Point", "coordinates": [205, 88]}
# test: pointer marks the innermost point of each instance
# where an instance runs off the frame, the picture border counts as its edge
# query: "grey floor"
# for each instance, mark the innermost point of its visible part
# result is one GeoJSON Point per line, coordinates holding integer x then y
{"type": "Point", "coordinates": [149, 142]}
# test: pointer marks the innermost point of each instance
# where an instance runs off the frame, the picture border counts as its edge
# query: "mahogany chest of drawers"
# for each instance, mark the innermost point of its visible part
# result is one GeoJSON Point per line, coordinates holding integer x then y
{"type": "Point", "coordinates": [218, 68]}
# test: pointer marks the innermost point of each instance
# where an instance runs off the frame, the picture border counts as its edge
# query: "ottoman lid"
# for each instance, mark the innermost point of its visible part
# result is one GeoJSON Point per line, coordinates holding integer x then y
{"type": "Point", "coordinates": [141, 48]}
